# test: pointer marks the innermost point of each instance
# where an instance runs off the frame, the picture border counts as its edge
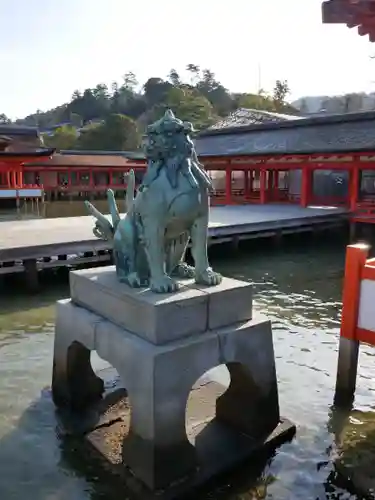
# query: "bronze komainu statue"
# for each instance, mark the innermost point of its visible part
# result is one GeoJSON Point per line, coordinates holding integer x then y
{"type": "Point", "coordinates": [170, 207]}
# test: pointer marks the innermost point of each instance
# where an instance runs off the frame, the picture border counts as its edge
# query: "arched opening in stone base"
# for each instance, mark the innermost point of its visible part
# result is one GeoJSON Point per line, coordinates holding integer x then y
{"type": "Point", "coordinates": [87, 391]}
{"type": "Point", "coordinates": [114, 409]}
{"type": "Point", "coordinates": [231, 413]}
{"type": "Point", "coordinates": [104, 370]}
{"type": "Point", "coordinates": [201, 403]}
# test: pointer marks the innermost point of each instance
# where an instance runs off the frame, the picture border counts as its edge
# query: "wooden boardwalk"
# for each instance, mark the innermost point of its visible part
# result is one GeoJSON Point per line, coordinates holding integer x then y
{"type": "Point", "coordinates": [46, 239]}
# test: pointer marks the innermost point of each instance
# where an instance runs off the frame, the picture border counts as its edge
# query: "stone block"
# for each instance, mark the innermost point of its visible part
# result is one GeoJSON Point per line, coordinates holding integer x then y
{"type": "Point", "coordinates": [161, 344]}
{"type": "Point", "coordinates": [158, 379]}
{"type": "Point", "coordinates": [228, 303]}
{"type": "Point", "coordinates": [251, 401]}
{"type": "Point", "coordinates": [71, 326]}
{"type": "Point", "coordinates": [158, 318]}
{"type": "Point", "coordinates": [162, 318]}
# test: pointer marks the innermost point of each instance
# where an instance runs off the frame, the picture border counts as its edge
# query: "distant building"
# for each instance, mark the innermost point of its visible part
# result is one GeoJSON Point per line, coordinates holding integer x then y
{"type": "Point", "coordinates": [333, 137]}
{"type": "Point", "coordinates": [16, 138]}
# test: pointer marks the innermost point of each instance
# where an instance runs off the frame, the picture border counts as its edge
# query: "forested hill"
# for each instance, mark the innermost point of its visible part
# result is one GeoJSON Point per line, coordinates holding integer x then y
{"type": "Point", "coordinates": [114, 118]}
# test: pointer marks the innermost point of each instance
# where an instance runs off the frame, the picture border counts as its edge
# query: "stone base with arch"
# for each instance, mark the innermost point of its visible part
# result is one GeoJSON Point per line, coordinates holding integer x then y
{"type": "Point", "coordinates": [184, 336]}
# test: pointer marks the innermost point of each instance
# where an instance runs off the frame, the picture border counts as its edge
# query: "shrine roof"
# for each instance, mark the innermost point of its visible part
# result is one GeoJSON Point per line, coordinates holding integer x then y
{"type": "Point", "coordinates": [18, 130]}
{"type": "Point", "coordinates": [105, 159]}
{"type": "Point", "coordinates": [318, 134]}
{"type": "Point", "coordinates": [358, 14]}
{"type": "Point", "coordinates": [130, 155]}
{"type": "Point", "coordinates": [32, 154]}
{"type": "Point", "coordinates": [243, 117]}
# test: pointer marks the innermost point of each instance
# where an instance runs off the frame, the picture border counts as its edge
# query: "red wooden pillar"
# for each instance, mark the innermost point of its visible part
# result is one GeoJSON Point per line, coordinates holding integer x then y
{"type": "Point", "coordinates": [20, 176]}
{"type": "Point", "coordinates": [110, 176]}
{"type": "Point", "coordinates": [354, 188]}
{"type": "Point", "coordinates": [276, 185]}
{"type": "Point", "coordinates": [263, 186]}
{"type": "Point", "coordinates": [306, 186]}
{"type": "Point", "coordinates": [270, 185]}
{"type": "Point", "coordinates": [228, 185]}
{"type": "Point", "coordinates": [356, 256]}
{"type": "Point", "coordinates": [246, 184]}
{"type": "Point", "coordinates": [251, 182]}
{"type": "Point", "coordinates": [91, 180]}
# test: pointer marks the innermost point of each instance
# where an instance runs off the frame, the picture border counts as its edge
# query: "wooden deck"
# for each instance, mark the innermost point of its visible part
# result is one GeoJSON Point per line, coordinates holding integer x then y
{"type": "Point", "coordinates": [45, 239]}
{"type": "Point", "coordinates": [38, 238]}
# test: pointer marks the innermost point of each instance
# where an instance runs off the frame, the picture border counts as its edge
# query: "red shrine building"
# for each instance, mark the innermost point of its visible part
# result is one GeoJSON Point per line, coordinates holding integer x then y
{"type": "Point", "coordinates": [320, 160]}
{"type": "Point", "coordinates": [252, 157]}
{"type": "Point", "coordinates": [359, 14]}
{"type": "Point", "coordinates": [18, 145]}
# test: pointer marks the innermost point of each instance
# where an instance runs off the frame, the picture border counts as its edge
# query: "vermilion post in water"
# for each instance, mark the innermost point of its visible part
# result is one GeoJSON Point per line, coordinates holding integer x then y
{"type": "Point", "coordinates": [356, 256]}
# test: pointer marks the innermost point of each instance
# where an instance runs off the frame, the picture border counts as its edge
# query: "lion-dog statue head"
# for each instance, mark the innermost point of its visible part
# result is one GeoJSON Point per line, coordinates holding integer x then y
{"type": "Point", "coordinates": [168, 145]}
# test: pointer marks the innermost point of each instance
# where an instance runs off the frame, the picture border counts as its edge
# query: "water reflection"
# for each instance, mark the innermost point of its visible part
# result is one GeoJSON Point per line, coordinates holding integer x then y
{"type": "Point", "coordinates": [299, 287]}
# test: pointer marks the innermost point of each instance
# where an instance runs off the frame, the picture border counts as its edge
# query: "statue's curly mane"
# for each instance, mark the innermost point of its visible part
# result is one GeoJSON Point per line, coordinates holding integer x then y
{"type": "Point", "coordinates": [168, 147]}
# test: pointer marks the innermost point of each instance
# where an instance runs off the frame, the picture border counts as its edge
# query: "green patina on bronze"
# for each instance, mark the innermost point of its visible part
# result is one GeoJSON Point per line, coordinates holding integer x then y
{"type": "Point", "coordinates": [170, 207]}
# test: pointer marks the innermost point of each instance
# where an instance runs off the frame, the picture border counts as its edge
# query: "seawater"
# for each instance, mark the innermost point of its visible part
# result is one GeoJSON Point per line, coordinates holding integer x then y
{"type": "Point", "coordinates": [299, 287]}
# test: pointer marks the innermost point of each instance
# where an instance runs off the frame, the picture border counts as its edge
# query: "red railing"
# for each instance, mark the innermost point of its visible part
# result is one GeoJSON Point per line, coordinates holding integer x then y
{"type": "Point", "coordinates": [364, 212]}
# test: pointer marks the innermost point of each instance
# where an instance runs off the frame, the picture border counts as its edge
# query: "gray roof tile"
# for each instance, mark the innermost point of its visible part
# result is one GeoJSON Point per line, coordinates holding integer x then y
{"type": "Point", "coordinates": [18, 130]}
{"type": "Point", "coordinates": [323, 134]}
{"type": "Point", "coordinates": [243, 117]}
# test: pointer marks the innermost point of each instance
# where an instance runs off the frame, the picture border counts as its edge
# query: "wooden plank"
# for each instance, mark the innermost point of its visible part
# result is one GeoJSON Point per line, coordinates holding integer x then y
{"type": "Point", "coordinates": [33, 239]}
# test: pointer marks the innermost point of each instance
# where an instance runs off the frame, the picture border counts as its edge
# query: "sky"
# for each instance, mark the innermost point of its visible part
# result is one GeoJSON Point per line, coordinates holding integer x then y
{"type": "Point", "coordinates": [50, 48]}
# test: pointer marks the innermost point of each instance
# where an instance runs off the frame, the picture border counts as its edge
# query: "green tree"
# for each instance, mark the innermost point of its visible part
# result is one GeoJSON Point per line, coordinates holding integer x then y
{"type": "Point", "coordinates": [75, 120]}
{"type": "Point", "coordinates": [259, 101]}
{"type": "Point", "coordinates": [116, 133]}
{"type": "Point", "coordinates": [76, 95]}
{"type": "Point", "coordinates": [92, 104]}
{"type": "Point", "coordinates": [215, 92]}
{"type": "Point", "coordinates": [188, 105]}
{"type": "Point", "coordinates": [194, 71]}
{"type": "Point", "coordinates": [174, 78]}
{"type": "Point", "coordinates": [280, 93]}
{"type": "Point", "coordinates": [4, 119]}
{"type": "Point", "coordinates": [130, 82]}
{"type": "Point", "coordinates": [203, 99]}
{"type": "Point", "coordinates": [155, 91]}
{"type": "Point", "coordinates": [64, 137]}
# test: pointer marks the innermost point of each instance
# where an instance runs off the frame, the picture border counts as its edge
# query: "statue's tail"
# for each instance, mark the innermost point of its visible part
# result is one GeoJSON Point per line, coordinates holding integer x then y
{"type": "Point", "coordinates": [113, 210]}
{"type": "Point", "coordinates": [129, 198]}
{"type": "Point", "coordinates": [103, 228]}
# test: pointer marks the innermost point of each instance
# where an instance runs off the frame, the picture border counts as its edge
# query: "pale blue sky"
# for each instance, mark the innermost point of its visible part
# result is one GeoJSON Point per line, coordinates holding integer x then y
{"type": "Point", "coordinates": [49, 48]}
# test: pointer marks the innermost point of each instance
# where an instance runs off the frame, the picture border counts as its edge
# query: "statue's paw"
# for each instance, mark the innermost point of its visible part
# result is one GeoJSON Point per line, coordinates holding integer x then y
{"type": "Point", "coordinates": [165, 284]}
{"type": "Point", "coordinates": [184, 271]}
{"type": "Point", "coordinates": [133, 280]}
{"type": "Point", "coordinates": [208, 278]}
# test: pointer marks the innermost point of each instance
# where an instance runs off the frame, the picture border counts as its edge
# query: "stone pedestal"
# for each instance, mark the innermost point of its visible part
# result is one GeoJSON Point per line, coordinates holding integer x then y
{"type": "Point", "coordinates": [161, 345]}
